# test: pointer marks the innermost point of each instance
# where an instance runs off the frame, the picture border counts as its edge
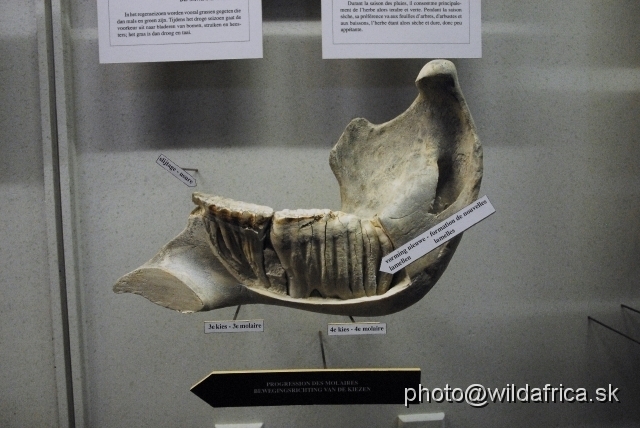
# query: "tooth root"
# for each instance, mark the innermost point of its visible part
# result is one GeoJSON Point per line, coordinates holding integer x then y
{"type": "Point", "coordinates": [338, 240]}
{"type": "Point", "coordinates": [354, 255]}
{"type": "Point", "coordinates": [237, 231]}
{"type": "Point", "coordinates": [275, 272]}
{"type": "Point", "coordinates": [371, 255]}
{"type": "Point", "coordinates": [386, 246]}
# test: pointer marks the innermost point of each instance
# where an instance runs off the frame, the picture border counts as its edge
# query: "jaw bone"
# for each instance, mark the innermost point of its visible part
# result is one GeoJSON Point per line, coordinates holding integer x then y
{"type": "Point", "coordinates": [396, 181]}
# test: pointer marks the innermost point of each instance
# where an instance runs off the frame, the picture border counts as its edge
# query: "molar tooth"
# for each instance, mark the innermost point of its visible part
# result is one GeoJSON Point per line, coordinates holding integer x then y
{"type": "Point", "coordinates": [319, 253]}
{"type": "Point", "coordinates": [237, 231]}
{"type": "Point", "coordinates": [293, 240]}
{"type": "Point", "coordinates": [326, 252]}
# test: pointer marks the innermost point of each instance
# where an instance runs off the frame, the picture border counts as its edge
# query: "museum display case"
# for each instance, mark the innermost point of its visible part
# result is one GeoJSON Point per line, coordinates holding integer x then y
{"type": "Point", "coordinates": [555, 100]}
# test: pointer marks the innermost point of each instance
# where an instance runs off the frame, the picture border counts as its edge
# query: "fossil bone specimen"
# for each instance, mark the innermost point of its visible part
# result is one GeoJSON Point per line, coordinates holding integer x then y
{"type": "Point", "coordinates": [396, 181]}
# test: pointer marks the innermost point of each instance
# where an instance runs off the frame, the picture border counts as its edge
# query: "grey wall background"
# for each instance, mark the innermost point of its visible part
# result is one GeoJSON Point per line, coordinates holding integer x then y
{"type": "Point", "coordinates": [556, 99]}
{"type": "Point", "coordinates": [29, 287]}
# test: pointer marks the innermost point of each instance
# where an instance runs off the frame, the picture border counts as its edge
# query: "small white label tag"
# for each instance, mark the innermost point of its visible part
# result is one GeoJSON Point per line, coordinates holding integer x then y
{"type": "Point", "coordinates": [234, 326]}
{"type": "Point", "coordinates": [437, 235]}
{"type": "Point", "coordinates": [352, 329]}
{"type": "Point", "coordinates": [176, 171]}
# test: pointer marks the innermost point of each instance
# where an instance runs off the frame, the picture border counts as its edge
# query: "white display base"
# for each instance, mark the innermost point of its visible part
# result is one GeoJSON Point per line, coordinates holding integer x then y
{"type": "Point", "coordinates": [253, 425]}
{"type": "Point", "coordinates": [422, 420]}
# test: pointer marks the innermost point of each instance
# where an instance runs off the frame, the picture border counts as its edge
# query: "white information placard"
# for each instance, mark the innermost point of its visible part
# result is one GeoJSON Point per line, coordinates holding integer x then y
{"type": "Point", "coordinates": [356, 328]}
{"type": "Point", "coordinates": [179, 30]}
{"type": "Point", "coordinates": [401, 29]}
{"type": "Point", "coordinates": [244, 326]}
{"type": "Point", "coordinates": [176, 171]}
{"type": "Point", "coordinates": [439, 234]}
